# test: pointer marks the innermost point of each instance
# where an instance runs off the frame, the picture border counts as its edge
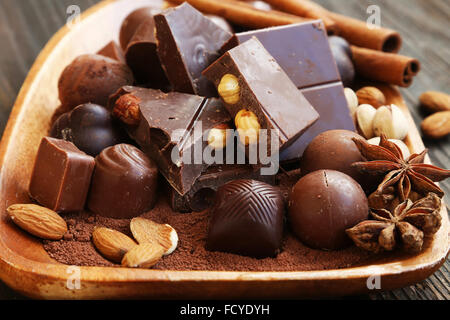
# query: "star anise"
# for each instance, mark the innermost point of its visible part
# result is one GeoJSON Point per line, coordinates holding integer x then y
{"type": "Point", "coordinates": [403, 178]}
{"type": "Point", "coordinates": [408, 223]}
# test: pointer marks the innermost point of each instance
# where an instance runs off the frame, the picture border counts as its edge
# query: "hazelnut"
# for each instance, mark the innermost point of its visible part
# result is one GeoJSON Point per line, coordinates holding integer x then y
{"type": "Point", "coordinates": [372, 96]}
{"type": "Point", "coordinates": [247, 126]}
{"type": "Point", "coordinates": [364, 120]}
{"type": "Point", "coordinates": [229, 89]}
{"type": "Point", "coordinates": [126, 109]}
{"type": "Point", "coordinates": [391, 121]}
{"type": "Point", "coordinates": [218, 136]}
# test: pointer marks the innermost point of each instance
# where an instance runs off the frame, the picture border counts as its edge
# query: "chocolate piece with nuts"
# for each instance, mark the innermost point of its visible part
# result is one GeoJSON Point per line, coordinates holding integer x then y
{"type": "Point", "coordinates": [166, 129]}
{"type": "Point", "coordinates": [188, 42]}
{"type": "Point", "coordinates": [269, 95]}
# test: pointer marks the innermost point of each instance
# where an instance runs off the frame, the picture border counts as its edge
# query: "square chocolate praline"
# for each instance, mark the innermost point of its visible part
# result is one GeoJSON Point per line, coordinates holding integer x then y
{"type": "Point", "coordinates": [61, 175]}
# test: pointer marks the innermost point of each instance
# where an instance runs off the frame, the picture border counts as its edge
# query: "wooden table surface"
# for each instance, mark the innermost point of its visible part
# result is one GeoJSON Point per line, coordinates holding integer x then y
{"type": "Point", "coordinates": [26, 26]}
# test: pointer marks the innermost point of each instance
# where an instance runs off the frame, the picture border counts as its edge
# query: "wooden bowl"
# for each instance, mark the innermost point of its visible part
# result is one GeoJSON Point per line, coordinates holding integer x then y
{"type": "Point", "coordinates": [26, 267]}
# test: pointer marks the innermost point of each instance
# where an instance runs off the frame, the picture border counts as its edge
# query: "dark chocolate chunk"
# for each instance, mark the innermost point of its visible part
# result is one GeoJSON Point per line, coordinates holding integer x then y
{"type": "Point", "coordinates": [92, 78]}
{"type": "Point", "coordinates": [264, 89]}
{"type": "Point", "coordinates": [221, 22]}
{"type": "Point", "coordinates": [188, 42]}
{"type": "Point", "coordinates": [322, 205]}
{"type": "Point", "coordinates": [202, 193]}
{"type": "Point", "coordinates": [61, 175]}
{"type": "Point", "coordinates": [124, 183]}
{"type": "Point", "coordinates": [247, 219]}
{"type": "Point", "coordinates": [132, 22]}
{"type": "Point", "coordinates": [112, 50]}
{"type": "Point", "coordinates": [142, 57]}
{"type": "Point", "coordinates": [302, 51]}
{"type": "Point", "coordinates": [90, 127]}
{"type": "Point", "coordinates": [329, 101]}
{"type": "Point", "coordinates": [166, 131]}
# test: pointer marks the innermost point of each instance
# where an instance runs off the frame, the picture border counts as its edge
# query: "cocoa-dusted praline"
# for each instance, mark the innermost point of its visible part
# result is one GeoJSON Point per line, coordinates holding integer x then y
{"type": "Point", "coordinates": [90, 127]}
{"type": "Point", "coordinates": [322, 205]}
{"type": "Point", "coordinates": [335, 150]}
{"type": "Point", "coordinates": [92, 78]}
{"type": "Point", "coordinates": [124, 183]}
{"type": "Point", "coordinates": [247, 219]}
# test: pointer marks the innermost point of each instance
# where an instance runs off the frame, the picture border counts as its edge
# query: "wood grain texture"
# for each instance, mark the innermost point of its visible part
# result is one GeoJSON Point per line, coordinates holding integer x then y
{"type": "Point", "coordinates": [26, 25]}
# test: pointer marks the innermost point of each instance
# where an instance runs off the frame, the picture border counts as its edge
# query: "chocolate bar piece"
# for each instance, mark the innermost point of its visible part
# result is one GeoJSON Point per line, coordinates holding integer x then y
{"type": "Point", "coordinates": [61, 175]}
{"type": "Point", "coordinates": [202, 193]}
{"type": "Point", "coordinates": [329, 100]}
{"type": "Point", "coordinates": [171, 131]}
{"type": "Point", "coordinates": [303, 52]}
{"type": "Point", "coordinates": [142, 58]}
{"type": "Point", "coordinates": [112, 50]}
{"type": "Point", "coordinates": [260, 86]}
{"type": "Point", "coordinates": [188, 42]}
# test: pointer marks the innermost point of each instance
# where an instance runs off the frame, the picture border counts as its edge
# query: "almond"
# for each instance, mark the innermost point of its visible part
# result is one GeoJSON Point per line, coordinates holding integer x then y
{"type": "Point", "coordinates": [144, 255]}
{"type": "Point", "coordinates": [148, 231]}
{"type": "Point", "coordinates": [437, 125]}
{"type": "Point", "coordinates": [112, 244]}
{"type": "Point", "coordinates": [435, 101]}
{"type": "Point", "coordinates": [39, 221]}
{"type": "Point", "coordinates": [372, 96]}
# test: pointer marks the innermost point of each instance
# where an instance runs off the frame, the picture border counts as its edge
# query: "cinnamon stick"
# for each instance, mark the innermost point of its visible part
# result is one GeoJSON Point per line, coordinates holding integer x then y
{"type": "Point", "coordinates": [353, 30]}
{"type": "Point", "coordinates": [306, 9]}
{"type": "Point", "coordinates": [385, 67]}
{"type": "Point", "coordinates": [243, 14]}
{"type": "Point", "coordinates": [358, 33]}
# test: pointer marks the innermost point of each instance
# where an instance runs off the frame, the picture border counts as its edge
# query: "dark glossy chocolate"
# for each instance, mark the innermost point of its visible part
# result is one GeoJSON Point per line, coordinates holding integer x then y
{"type": "Point", "coordinates": [124, 183]}
{"type": "Point", "coordinates": [162, 116]}
{"type": "Point", "coordinates": [92, 78]}
{"type": "Point", "coordinates": [247, 219]}
{"type": "Point", "coordinates": [322, 205]}
{"type": "Point", "coordinates": [188, 42]}
{"type": "Point", "coordinates": [202, 193]}
{"type": "Point", "coordinates": [266, 90]}
{"type": "Point", "coordinates": [342, 53]}
{"type": "Point", "coordinates": [61, 175]}
{"type": "Point", "coordinates": [112, 50]}
{"type": "Point", "coordinates": [302, 51]}
{"type": "Point", "coordinates": [335, 150]}
{"type": "Point", "coordinates": [142, 57]}
{"type": "Point", "coordinates": [132, 22]}
{"type": "Point", "coordinates": [221, 22]}
{"type": "Point", "coordinates": [330, 102]}
{"type": "Point", "coordinates": [90, 127]}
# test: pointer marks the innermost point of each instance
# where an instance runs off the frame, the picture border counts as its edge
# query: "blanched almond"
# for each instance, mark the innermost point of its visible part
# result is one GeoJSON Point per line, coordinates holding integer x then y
{"type": "Point", "coordinates": [148, 231]}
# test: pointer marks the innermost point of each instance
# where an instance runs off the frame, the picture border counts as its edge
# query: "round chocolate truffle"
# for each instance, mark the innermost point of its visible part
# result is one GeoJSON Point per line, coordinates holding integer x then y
{"type": "Point", "coordinates": [124, 183]}
{"type": "Point", "coordinates": [247, 219]}
{"type": "Point", "coordinates": [322, 205]}
{"type": "Point", "coordinates": [132, 22]}
{"type": "Point", "coordinates": [92, 78]}
{"type": "Point", "coordinates": [335, 150]}
{"type": "Point", "coordinates": [90, 127]}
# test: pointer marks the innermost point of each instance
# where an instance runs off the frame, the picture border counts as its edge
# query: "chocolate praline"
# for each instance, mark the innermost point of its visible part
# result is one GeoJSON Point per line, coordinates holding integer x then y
{"type": "Point", "coordinates": [322, 205]}
{"type": "Point", "coordinates": [335, 150]}
{"type": "Point", "coordinates": [90, 127]}
{"type": "Point", "coordinates": [247, 219]}
{"type": "Point", "coordinates": [124, 183]}
{"type": "Point", "coordinates": [92, 78]}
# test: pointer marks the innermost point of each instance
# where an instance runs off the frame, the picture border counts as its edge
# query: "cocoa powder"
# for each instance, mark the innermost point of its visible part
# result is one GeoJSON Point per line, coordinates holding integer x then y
{"type": "Point", "coordinates": [76, 247]}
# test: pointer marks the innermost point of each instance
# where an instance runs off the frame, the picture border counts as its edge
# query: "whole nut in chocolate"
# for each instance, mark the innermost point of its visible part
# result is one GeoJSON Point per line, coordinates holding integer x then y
{"type": "Point", "coordinates": [229, 89]}
{"type": "Point", "coordinates": [247, 126]}
{"type": "Point", "coordinates": [218, 136]}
